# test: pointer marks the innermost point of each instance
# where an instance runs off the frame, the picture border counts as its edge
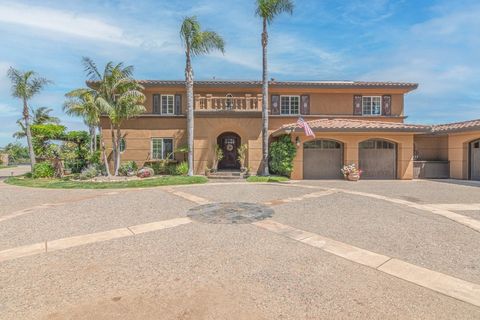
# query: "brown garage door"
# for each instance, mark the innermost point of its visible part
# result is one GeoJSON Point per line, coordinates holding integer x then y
{"type": "Point", "coordinates": [322, 159]}
{"type": "Point", "coordinates": [475, 160]}
{"type": "Point", "coordinates": [377, 159]}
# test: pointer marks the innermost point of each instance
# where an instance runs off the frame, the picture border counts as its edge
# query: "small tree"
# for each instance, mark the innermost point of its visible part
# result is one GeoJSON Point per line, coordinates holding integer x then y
{"type": "Point", "coordinates": [282, 153]}
{"type": "Point", "coordinates": [25, 85]}
{"type": "Point", "coordinates": [217, 157]}
{"type": "Point", "coordinates": [242, 155]}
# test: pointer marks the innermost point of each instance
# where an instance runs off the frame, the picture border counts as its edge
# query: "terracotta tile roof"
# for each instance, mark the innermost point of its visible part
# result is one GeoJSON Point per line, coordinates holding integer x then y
{"type": "Point", "coordinates": [457, 126]}
{"type": "Point", "coordinates": [354, 125]}
{"type": "Point", "coordinates": [304, 84]}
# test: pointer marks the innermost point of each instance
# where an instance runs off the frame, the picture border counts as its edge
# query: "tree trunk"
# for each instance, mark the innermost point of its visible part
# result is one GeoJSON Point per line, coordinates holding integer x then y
{"type": "Point", "coordinates": [114, 150]}
{"type": "Point", "coordinates": [104, 151]}
{"type": "Point", "coordinates": [189, 87]}
{"type": "Point", "coordinates": [119, 138]}
{"type": "Point", "coordinates": [26, 117]}
{"type": "Point", "coordinates": [265, 171]}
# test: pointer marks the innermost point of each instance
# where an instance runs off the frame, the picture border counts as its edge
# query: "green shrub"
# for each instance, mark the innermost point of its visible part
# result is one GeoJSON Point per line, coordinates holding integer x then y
{"type": "Point", "coordinates": [182, 168]}
{"type": "Point", "coordinates": [171, 169]}
{"type": "Point", "coordinates": [88, 173]}
{"type": "Point", "coordinates": [43, 170]}
{"type": "Point", "coordinates": [282, 153]}
{"type": "Point", "coordinates": [128, 168]}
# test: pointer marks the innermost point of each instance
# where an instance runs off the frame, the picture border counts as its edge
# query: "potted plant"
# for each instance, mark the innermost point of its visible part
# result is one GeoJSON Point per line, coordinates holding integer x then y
{"type": "Point", "coordinates": [242, 156]}
{"type": "Point", "coordinates": [351, 172]}
{"type": "Point", "coordinates": [218, 155]}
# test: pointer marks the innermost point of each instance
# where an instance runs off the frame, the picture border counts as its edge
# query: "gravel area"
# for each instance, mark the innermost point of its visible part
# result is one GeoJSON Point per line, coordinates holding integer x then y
{"type": "Point", "coordinates": [419, 191]}
{"type": "Point", "coordinates": [93, 215]}
{"type": "Point", "coordinates": [244, 192]}
{"type": "Point", "coordinates": [415, 236]}
{"type": "Point", "coordinates": [475, 214]}
{"type": "Point", "coordinates": [206, 271]}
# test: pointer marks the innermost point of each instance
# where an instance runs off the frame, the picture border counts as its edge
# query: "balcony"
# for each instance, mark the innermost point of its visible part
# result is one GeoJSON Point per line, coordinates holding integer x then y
{"type": "Point", "coordinates": [245, 103]}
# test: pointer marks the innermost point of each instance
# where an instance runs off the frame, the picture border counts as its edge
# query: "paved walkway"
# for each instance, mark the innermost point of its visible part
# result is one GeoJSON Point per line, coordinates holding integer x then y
{"type": "Point", "coordinates": [14, 171]}
{"type": "Point", "coordinates": [326, 249]}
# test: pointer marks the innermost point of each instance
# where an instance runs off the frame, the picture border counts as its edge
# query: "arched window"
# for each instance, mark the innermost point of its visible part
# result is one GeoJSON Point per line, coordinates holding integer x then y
{"type": "Point", "coordinates": [123, 145]}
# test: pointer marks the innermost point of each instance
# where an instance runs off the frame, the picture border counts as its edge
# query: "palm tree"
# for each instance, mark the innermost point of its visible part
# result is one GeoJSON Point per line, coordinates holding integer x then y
{"type": "Point", "coordinates": [39, 116]}
{"type": "Point", "coordinates": [196, 42]}
{"type": "Point", "coordinates": [82, 103]}
{"type": "Point", "coordinates": [267, 10]}
{"type": "Point", "coordinates": [24, 86]}
{"type": "Point", "coordinates": [118, 96]}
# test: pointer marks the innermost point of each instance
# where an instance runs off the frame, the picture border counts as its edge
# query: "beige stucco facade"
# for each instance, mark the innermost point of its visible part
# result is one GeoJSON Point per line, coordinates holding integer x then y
{"type": "Point", "coordinates": [229, 107]}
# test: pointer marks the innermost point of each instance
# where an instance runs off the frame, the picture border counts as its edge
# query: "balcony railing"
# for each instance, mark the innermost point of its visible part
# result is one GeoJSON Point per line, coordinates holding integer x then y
{"type": "Point", "coordinates": [211, 103]}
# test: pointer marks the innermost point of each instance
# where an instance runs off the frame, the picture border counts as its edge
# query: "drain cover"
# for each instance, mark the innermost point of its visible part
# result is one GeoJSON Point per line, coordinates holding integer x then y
{"type": "Point", "coordinates": [230, 213]}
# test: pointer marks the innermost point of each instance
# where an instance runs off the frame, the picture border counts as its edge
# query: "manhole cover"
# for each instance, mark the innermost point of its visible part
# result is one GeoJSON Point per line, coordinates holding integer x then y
{"type": "Point", "coordinates": [230, 212]}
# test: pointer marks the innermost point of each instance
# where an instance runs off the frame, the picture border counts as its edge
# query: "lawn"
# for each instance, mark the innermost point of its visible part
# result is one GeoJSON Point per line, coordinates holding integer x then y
{"type": "Point", "coordinates": [267, 179]}
{"type": "Point", "coordinates": [71, 184]}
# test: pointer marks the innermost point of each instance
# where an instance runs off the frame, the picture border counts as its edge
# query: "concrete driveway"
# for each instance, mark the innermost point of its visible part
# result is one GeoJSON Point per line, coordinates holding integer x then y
{"type": "Point", "coordinates": [303, 250]}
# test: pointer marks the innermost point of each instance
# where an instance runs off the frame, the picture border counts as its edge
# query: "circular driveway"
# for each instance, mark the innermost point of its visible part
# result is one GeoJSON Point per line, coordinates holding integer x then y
{"type": "Point", "coordinates": [332, 249]}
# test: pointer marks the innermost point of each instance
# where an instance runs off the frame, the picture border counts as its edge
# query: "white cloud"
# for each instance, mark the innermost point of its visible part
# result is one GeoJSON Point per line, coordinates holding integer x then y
{"type": "Point", "coordinates": [6, 110]}
{"type": "Point", "coordinates": [60, 21]}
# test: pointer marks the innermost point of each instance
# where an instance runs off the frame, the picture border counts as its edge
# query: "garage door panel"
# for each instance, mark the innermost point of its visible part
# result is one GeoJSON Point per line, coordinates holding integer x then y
{"type": "Point", "coordinates": [322, 163]}
{"type": "Point", "coordinates": [475, 160]}
{"type": "Point", "coordinates": [377, 160]}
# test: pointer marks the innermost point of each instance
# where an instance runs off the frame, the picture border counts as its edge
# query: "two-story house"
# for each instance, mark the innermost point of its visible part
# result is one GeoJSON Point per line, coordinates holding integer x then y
{"type": "Point", "coordinates": [354, 122]}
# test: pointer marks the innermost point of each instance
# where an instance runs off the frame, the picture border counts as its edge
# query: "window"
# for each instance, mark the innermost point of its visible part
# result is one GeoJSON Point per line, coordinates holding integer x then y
{"type": "Point", "coordinates": [476, 145]}
{"type": "Point", "coordinates": [168, 104]}
{"type": "Point", "coordinates": [123, 145]}
{"type": "Point", "coordinates": [164, 104]}
{"type": "Point", "coordinates": [372, 106]}
{"type": "Point", "coordinates": [322, 144]}
{"type": "Point", "coordinates": [377, 144]}
{"type": "Point", "coordinates": [162, 148]}
{"type": "Point", "coordinates": [289, 104]}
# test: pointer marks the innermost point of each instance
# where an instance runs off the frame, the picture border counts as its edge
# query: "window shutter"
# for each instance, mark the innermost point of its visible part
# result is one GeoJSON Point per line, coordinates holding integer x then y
{"type": "Point", "coordinates": [275, 107]}
{"type": "Point", "coordinates": [387, 105]}
{"type": "Point", "coordinates": [305, 104]}
{"type": "Point", "coordinates": [357, 105]}
{"type": "Point", "coordinates": [178, 104]}
{"type": "Point", "coordinates": [156, 103]}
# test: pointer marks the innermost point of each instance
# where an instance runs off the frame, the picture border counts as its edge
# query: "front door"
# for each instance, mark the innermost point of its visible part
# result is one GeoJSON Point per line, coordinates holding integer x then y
{"type": "Point", "coordinates": [229, 143]}
{"type": "Point", "coordinates": [475, 160]}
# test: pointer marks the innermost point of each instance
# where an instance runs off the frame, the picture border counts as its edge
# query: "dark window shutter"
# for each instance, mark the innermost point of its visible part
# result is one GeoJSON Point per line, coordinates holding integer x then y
{"type": "Point", "coordinates": [156, 103]}
{"type": "Point", "coordinates": [387, 105]}
{"type": "Point", "coordinates": [357, 105]}
{"type": "Point", "coordinates": [178, 104]}
{"type": "Point", "coordinates": [305, 104]}
{"type": "Point", "coordinates": [275, 107]}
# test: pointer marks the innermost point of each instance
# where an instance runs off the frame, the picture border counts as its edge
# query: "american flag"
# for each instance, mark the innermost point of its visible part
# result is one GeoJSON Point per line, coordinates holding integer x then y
{"type": "Point", "coordinates": [303, 124]}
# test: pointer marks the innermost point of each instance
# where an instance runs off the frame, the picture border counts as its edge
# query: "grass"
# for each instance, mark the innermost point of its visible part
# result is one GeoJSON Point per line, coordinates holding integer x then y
{"type": "Point", "coordinates": [267, 179]}
{"type": "Point", "coordinates": [71, 184]}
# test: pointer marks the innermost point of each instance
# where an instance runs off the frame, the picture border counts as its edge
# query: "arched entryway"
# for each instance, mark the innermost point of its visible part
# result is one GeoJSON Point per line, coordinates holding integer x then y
{"type": "Point", "coordinates": [475, 160]}
{"type": "Point", "coordinates": [378, 159]}
{"type": "Point", "coordinates": [322, 159]}
{"type": "Point", "coordinates": [229, 143]}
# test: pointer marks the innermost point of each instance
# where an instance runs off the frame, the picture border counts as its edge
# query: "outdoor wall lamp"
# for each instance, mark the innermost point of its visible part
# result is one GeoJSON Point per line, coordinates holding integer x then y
{"type": "Point", "coordinates": [297, 141]}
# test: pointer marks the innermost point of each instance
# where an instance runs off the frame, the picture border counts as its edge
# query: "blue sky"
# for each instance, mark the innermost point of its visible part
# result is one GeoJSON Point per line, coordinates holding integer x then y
{"type": "Point", "coordinates": [434, 43]}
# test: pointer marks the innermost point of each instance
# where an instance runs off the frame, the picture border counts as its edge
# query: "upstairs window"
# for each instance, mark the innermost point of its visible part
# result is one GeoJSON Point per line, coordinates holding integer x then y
{"type": "Point", "coordinates": [372, 106]}
{"type": "Point", "coordinates": [164, 104]}
{"type": "Point", "coordinates": [289, 104]}
{"type": "Point", "coordinates": [162, 148]}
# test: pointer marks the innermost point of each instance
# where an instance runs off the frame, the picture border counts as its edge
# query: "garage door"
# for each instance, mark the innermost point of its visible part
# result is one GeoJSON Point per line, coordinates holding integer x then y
{"type": "Point", "coordinates": [322, 159]}
{"type": "Point", "coordinates": [475, 160]}
{"type": "Point", "coordinates": [377, 159]}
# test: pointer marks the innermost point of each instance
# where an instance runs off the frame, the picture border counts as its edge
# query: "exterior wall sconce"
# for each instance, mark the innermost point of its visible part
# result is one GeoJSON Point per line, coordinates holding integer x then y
{"type": "Point", "coordinates": [297, 141]}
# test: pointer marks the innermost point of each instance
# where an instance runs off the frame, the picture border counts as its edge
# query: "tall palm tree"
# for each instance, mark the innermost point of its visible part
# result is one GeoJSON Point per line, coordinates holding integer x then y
{"type": "Point", "coordinates": [25, 85]}
{"type": "Point", "coordinates": [82, 103]}
{"type": "Point", "coordinates": [39, 116]}
{"type": "Point", "coordinates": [118, 96]}
{"type": "Point", "coordinates": [196, 42]}
{"type": "Point", "coordinates": [267, 10]}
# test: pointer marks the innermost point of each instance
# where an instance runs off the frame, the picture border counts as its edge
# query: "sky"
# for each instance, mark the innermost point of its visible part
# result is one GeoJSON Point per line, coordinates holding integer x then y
{"type": "Point", "coordinates": [433, 43]}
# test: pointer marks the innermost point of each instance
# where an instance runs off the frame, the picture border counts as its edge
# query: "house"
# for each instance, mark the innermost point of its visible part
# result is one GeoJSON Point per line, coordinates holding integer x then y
{"type": "Point", "coordinates": [354, 122]}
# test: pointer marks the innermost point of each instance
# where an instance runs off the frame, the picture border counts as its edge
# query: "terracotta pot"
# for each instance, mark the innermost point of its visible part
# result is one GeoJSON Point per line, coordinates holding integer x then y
{"type": "Point", "coordinates": [353, 177]}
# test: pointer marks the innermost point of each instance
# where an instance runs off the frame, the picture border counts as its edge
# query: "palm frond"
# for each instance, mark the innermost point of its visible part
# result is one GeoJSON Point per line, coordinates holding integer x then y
{"type": "Point", "coordinates": [269, 9]}
{"type": "Point", "coordinates": [91, 69]}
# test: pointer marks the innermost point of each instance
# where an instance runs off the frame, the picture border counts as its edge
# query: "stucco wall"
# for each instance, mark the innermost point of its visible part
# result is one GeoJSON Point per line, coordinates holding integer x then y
{"type": "Point", "coordinates": [431, 148]}
{"type": "Point", "coordinates": [458, 144]}
{"type": "Point", "coordinates": [350, 143]}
